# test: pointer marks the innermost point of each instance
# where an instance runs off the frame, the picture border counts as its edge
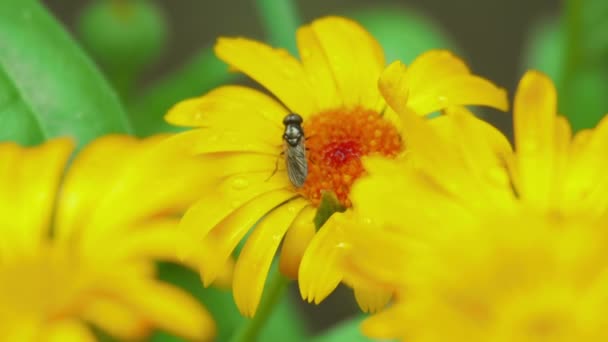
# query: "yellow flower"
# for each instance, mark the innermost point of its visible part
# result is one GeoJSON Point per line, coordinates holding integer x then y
{"type": "Point", "coordinates": [333, 87]}
{"type": "Point", "coordinates": [483, 243]}
{"type": "Point", "coordinates": [79, 247]}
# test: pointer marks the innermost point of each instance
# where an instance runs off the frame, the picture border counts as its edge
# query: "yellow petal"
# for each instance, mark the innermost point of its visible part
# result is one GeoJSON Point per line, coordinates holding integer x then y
{"type": "Point", "coordinates": [69, 331]}
{"type": "Point", "coordinates": [586, 181]}
{"type": "Point", "coordinates": [534, 130]}
{"type": "Point", "coordinates": [224, 279]}
{"type": "Point", "coordinates": [438, 79]}
{"type": "Point", "coordinates": [434, 65]}
{"type": "Point", "coordinates": [355, 58]}
{"type": "Point", "coordinates": [166, 307]}
{"type": "Point", "coordinates": [29, 180]}
{"type": "Point", "coordinates": [483, 149]}
{"type": "Point", "coordinates": [88, 180]}
{"type": "Point", "coordinates": [221, 199]}
{"type": "Point", "coordinates": [230, 107]}
{"type": "Point", "coordinates": [385, 325]}
{"type": "Point", "coordinates": [216, 247]}
{"type": "Point", "coordinates": [458, 90]}
{"type": "Point", "coordinates": [298, 236]}
{"type": "Point", "coordinates": [318, 69]}
{"type": "Point", "coordinates": [451, 87]}
{"type": "Point", "coordinates": [228, 139]}
{"type": "Point", "coordinates": [106, 192]}
{"type": "Point", "coordinates": [320, 270]}
{"type": "Point", "coordinates": [371, 300]}
{"type": "Point", "coordinates": [394, 87]}
{"type": "Point", "coordinates": [254, 261]}
{"type": "Point", "coordinates": [275, 69]}
{"type": "Point", "coordinates": [21, 329]}
{"type": "Point", "coordinates": [155, 240]}
{"type": "Point", "coordinates": [116, 319]}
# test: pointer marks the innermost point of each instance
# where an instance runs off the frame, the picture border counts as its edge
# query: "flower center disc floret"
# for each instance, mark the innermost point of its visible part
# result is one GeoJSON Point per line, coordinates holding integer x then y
{"type": "Point", "coordinates": [336, 141]}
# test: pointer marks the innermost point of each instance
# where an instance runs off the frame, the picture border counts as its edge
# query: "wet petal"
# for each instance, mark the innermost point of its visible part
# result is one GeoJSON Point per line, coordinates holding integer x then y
{"type": "Point", "coordinates": [534, 129]}
{"type": "Point", "coordinates": [320, 270]}
{"type": "Point", "coordinates": [484, 150]}
{"type": "Point", "coordinates": [298, 236]}
{"type": "Point", "coordinates": [355, 58]}
{"type": "Point", "coordinates": [254, 261]}
{"type": "Point", "coordinates": [237, 107]}
{"type": "Point", "coordinates": [227, 139]}
{"type": "Point", "coordinates": [217, 246]}
{"type": "Point", "coordinates": [29, 181]}
{"type": "Point", "coordinates": [318, 69]}
{"type": "Point", "coordinates": [223, 199]}
{"type": "Point", "coordinates": [438, 79]}
{"type": "Point", "coordinates": [275, 69]}
{"type": "Point", "coordinates": [459, 90]}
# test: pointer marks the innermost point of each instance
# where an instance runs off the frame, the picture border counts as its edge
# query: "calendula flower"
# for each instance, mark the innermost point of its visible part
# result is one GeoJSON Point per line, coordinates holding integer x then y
{"type": "Point", "coordinates": [333, 87]}
{"type": "Point", "coordinates": [484, 243]}
{"type": "Point", "coordinates": [79, 247]}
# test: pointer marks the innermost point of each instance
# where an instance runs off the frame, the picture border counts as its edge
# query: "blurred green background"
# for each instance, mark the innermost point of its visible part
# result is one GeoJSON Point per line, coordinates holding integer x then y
{"type": "Point", "coordinates": [490, 34]}
{"type": "Point", "coordinates": [159, 53]}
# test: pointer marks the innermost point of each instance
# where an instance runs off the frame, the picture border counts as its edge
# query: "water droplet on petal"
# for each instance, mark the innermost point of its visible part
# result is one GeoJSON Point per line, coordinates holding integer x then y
{"type": "Point", "coordinates": [240, 183]}
{"type": "Point", "coordinates": [235, 204]}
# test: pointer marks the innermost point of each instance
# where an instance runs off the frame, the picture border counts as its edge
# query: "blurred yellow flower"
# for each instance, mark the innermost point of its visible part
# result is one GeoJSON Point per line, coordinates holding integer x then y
{"type": "Point", "coordinates": [79, 248]}
{"type": "Point", "coordinates": [481, 243]}
{"type": "Point", "coordinates": [333, 87]}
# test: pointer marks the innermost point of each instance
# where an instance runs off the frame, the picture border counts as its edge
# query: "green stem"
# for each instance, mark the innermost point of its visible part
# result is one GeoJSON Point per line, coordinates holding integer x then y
{"type": "Point", "coordinates": [274, 291]}
{"type": "Point", "coordinates": [573, 13]}
{"type": "Point", "coordinates": [280, 19]}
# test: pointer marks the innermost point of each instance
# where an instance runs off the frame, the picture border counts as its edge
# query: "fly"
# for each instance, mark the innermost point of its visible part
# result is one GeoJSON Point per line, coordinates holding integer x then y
{"type": "Point", "coordinates": [295, 150]}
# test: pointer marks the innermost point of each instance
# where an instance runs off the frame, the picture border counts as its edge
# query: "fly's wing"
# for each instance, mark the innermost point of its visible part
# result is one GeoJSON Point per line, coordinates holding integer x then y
{"type": "Point", "coordinates": [297, 165]}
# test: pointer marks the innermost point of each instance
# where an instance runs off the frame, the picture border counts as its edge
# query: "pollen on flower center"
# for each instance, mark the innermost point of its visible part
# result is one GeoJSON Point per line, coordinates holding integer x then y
{"type": "Point", "coordinates": [336, 141]}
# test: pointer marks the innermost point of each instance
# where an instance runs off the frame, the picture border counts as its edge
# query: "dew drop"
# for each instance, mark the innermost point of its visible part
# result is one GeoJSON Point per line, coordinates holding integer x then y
{"type": "Point", "coordinates": [240, 183]}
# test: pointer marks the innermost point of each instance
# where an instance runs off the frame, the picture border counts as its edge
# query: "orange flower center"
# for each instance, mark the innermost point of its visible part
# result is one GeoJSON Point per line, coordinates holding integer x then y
{"type": "Point", "coordinates": [336, 141]}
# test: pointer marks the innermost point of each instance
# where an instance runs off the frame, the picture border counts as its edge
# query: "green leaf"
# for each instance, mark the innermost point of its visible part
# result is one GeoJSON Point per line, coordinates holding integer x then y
{"type": "Point", "coordinates": [346, 331]}
{"type": "Point", "coordinates": [48, 86]}
{"type": "Point", "coordinates": [329, 205]}
{"type": "Point", "coordinates": [204, 72]}
{"type": "Point", "coordinates": [403, 33]}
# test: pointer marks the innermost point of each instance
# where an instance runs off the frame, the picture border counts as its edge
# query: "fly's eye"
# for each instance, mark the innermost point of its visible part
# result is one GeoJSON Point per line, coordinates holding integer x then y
{"type": "Point", "coordinates": [291, 119]}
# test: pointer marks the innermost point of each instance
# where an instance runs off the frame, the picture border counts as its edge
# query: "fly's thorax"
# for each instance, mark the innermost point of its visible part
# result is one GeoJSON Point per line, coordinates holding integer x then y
{"type": "Point", "coordinates": [293, 134]}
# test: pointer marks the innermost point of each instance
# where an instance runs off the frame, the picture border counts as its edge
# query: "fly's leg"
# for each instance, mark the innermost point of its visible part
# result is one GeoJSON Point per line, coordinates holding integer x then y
{"type": "Point", "coordinates": [276, 166]}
